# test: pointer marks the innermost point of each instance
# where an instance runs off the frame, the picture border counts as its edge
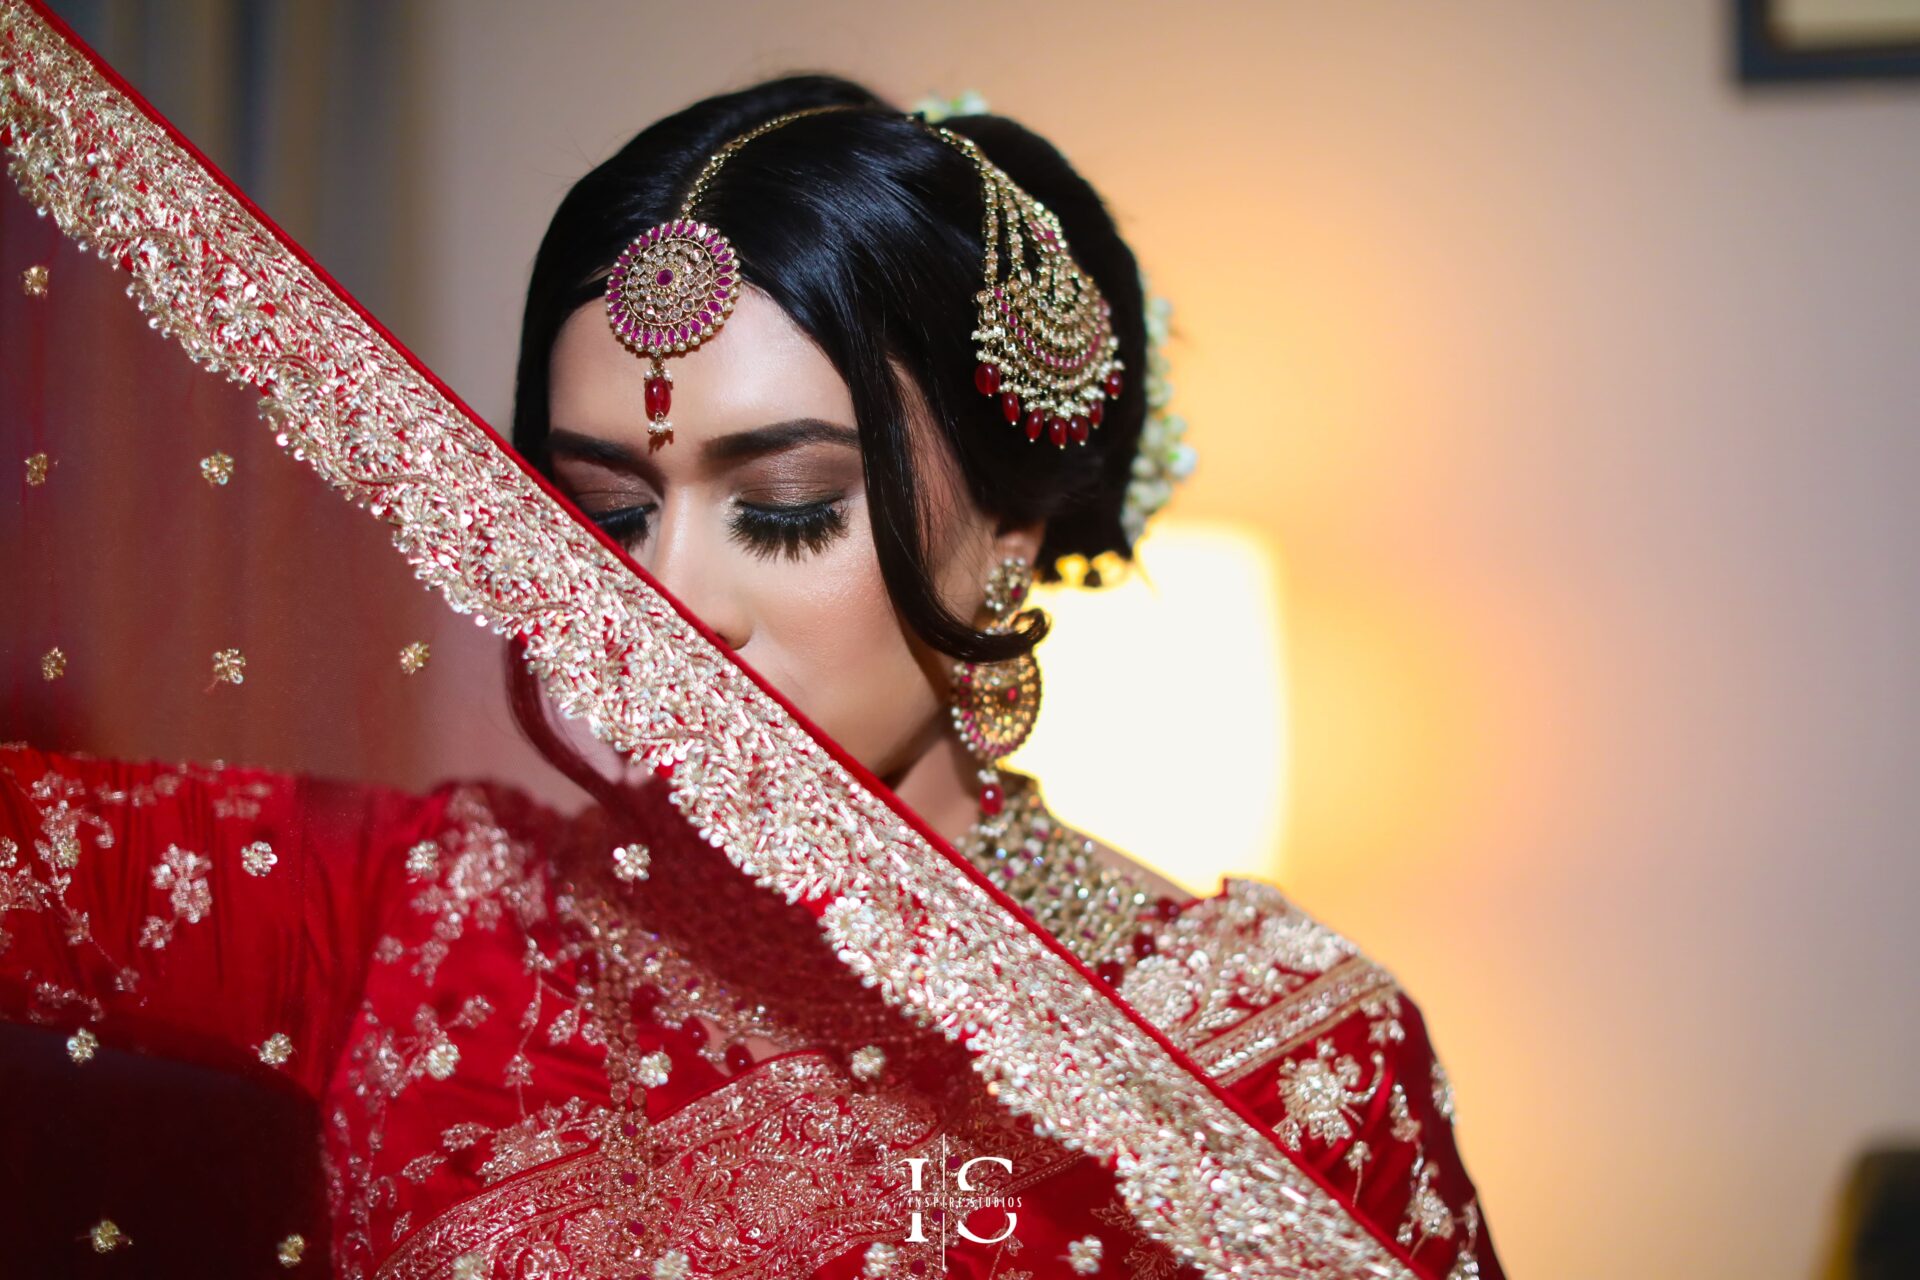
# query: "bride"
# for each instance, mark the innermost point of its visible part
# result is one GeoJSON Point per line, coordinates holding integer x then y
{"type": "Point", "coordinates": [798, 980]}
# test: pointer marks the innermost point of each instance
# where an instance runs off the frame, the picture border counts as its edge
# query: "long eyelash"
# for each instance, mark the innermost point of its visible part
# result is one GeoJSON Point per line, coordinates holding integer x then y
{"type": "Point", "coordinates": [788, 531]}
{"type": "Point", "coordinates": [626, 525]}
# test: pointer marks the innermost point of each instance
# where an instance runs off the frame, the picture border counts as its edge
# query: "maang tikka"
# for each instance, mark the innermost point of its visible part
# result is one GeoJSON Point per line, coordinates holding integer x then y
{"type": "Point", "coordinates": [1047, 352]}
{"type": "Point", "coordinates": [676, 283]}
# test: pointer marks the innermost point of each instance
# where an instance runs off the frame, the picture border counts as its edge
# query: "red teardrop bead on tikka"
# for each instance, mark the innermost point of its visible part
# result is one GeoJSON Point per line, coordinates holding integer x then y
{"type": "Point", "coordinates": [659, 396]}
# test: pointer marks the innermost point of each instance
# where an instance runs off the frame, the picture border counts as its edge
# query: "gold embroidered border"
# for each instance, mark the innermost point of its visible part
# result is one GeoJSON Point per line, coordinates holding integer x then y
{"type": "Point", "coordinates": [550, 1193]}
{"type": "Point", "coordinates": [477, 527]}
{"type": "Point", "coordinates": [531, 1211]}
{"type": "Point", "coordinates": [1288, 1022]}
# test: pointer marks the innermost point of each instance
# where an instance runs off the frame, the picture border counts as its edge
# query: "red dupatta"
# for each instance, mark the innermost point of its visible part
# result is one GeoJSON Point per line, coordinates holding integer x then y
{"type": "Point", "coordinates": [1198, 1167]}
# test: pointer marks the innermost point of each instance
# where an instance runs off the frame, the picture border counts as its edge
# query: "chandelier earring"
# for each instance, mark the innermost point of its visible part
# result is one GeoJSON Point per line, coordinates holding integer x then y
{"type": "Point", "coordinates": [995, 704]}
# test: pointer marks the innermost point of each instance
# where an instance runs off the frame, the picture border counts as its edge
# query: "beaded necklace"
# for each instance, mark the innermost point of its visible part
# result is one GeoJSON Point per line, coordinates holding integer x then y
{"type": "Point", "coordinates": [1103, 913]}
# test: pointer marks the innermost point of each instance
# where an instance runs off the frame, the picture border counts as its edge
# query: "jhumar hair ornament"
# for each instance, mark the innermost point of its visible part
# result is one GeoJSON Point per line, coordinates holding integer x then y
{"type": "Point", "coordinates": [1047, 350]}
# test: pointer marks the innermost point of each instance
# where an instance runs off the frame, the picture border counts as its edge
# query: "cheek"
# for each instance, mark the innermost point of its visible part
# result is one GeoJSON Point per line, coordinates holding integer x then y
{"type": "Point", "coordinates": [825, 633]}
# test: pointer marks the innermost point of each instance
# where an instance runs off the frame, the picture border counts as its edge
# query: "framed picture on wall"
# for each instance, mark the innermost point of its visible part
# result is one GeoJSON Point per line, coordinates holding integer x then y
{"type": "Point", "coordinates": [1780, 40]}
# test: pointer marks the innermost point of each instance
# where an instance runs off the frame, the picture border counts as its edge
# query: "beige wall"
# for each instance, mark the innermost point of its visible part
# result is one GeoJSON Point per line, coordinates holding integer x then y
{"type": "Point", "coordinates": [1577, 397]}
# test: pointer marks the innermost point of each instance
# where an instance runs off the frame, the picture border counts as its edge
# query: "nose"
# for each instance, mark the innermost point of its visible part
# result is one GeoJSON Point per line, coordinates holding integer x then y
{"type": "Point", "coordinates": [692, 566]}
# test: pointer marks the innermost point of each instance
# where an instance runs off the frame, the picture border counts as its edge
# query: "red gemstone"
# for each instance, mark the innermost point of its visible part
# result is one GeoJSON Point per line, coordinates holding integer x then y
{"type": "Point", "coordinates": [659, 398]}
{"type": "Point", "coordinates": [1010, 406]}
{"type": "Point", "coordinates": [1111, 971]}
{"type": "Point", "coordinates": [1114, 383]}
{"type": "Point", "coordinates": [1057, 431]}
{"type": "Point", "coordinates": [1079, 428]}
{"type": "Point", "coordinates": [1036, 423]}
{"type": "Point", "coordinates": [987, 378]}
{"type": "Point", "coordinates": [739, 1057]}
{"type": "Point", "coordinates": [992, 799]}
{"type": "Point", "coordinates": [1143, 943]}
{"type": "Point", "coordinates": [628, 1178]}
{"type": "Point", "coordinates": [693, 1033]}
{"type": "Point", "coordinates": [1097, 412]}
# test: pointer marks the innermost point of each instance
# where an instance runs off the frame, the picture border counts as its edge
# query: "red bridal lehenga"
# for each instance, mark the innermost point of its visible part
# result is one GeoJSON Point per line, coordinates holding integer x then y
{"type": "Point", "coordinates": [310, 964]}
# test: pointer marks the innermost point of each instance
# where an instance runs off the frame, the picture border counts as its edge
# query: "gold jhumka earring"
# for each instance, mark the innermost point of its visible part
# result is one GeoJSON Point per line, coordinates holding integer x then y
{"type": "Point", "coordinates": [995, 704]}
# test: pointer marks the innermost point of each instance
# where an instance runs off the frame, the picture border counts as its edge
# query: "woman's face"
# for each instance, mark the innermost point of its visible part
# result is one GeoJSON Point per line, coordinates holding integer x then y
{"type": "Point", "coordinates": [754, 514]}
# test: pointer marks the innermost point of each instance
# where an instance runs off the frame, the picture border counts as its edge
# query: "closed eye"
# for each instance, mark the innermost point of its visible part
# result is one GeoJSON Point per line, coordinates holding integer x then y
{"type": "Point", "coordinates": [625, 525]}
{"type": "Point", "coordinates": [792, 530]}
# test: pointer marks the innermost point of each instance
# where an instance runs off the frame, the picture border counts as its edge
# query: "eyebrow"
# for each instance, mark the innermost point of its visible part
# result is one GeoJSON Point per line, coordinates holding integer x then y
{"type": "Point", "coordinates": [738, 446]}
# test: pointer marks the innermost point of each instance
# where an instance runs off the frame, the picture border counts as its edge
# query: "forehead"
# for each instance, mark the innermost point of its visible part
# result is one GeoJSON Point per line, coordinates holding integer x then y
{"type": "Point", "coordinates": [760, 367]}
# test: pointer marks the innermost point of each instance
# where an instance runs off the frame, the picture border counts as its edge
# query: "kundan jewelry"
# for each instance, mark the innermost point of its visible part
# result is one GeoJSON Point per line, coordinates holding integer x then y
{"type": "Point", "coordinates": [1163, 458]}
{"type": "Point", "coordinates": [677, 282]}
{"type": "Point", "coordinates": [1047, 350]}
{"type": "Point", "coordinates": [995, 703]}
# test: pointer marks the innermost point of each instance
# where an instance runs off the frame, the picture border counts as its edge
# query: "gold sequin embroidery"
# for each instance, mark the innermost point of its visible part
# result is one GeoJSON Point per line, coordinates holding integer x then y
{"type": "Point", "coordinates": [1083, 1255]}
{"type": "Point", "coordinates": [630, 862]}
{"type": "Point", "coordinates": [258, 858]}
{"type": "Point", "coordinates": [107, 1237]}
{"type": "Point", "coordinates": [183, 875]}
{"type": "Point", "coordinates": [229, 666]}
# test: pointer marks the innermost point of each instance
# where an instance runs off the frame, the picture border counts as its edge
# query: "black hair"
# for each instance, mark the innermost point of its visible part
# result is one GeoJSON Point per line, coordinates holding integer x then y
{"type": "Point", "coordinates": [865, 228]}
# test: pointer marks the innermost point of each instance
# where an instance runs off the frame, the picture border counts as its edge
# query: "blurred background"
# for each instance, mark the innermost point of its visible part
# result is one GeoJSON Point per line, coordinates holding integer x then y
{"type": "Point", "coordinates": [1542, 613]}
